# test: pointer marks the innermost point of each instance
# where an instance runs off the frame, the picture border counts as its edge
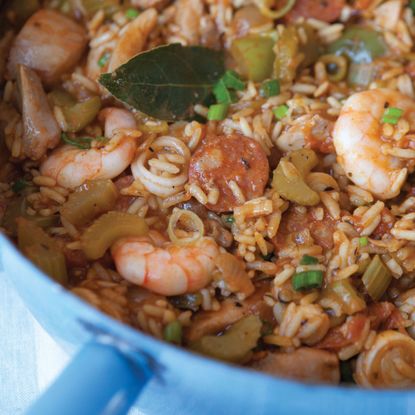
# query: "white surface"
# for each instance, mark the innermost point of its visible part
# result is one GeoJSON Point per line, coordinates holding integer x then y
{"type": "Point", "coordinates": [29, 358]}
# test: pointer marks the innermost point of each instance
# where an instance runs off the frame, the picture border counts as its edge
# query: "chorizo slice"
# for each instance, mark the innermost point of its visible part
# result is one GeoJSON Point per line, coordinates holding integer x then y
{"type": "Point", "coordinates": [325, 10]}
{"type": "Point", "coordinates": [221, 160]}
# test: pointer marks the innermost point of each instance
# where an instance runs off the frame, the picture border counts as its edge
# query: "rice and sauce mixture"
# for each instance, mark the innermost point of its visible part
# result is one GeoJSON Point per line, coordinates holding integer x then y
{"type": "Point", "coordinates": [231, 176]}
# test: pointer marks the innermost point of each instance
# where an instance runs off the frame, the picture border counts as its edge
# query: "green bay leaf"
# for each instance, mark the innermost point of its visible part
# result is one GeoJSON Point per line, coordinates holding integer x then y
{"type": "Point", "coordinates": [167, 81]}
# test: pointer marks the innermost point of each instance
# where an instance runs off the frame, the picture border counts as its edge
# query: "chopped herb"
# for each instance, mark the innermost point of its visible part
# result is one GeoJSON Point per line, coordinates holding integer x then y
{"type": "Point", "coordinates": [270, 88]}
{"type": "Point", "coordinates": [412, 6]}
{"type": "Point", "coordinates": [308, 260]}
{"type": "Point", "coordinates": [222, 94]}
{"type": "Point", "coordinates": [83, 143]}
{"type": "Point", "coordinates": [392, 115]}
{"type": "Point", "coordinates": [104, 59]}
{"type": "Point", "coordinates": [217, 112]}
{"type": "Point", "coordinates": [131, 13]}
{"type": "Point", "coordinates": [307, 280]}
{"type": "Point", "coordinates": [173, 332]}
{"type": "Point", "coordinates": [363, 241]}
{"type": "Point", "coordinates": [233, 80]}
{"type": "Point", "coordinates": [19, 185]}
{"type": "Point", "coordinates": [229, 219]}
{"type": "Point", "coordinates": [280, 112]}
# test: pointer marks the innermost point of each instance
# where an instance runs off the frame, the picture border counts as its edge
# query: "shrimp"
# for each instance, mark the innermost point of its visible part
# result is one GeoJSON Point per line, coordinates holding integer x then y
{"type": "Point", "coordinates": [366, 156]}
{"type": "Point", "coordinates": [71, 166]}
{"type": "Point", "coordinates": [163, 267]}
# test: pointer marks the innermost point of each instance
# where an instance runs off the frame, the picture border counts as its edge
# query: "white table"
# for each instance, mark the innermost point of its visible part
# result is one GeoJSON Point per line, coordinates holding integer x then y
{"type": "Point", "coordinates": [29, 358]}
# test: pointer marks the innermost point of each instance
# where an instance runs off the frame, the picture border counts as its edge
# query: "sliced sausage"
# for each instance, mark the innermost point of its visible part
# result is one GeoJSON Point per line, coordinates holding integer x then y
{"type": "Point", "coordinates": [222, 159]}
{"type": "Point", "coordinates": [325, 10]}
{"type": "Point", "coordinates": [304, 364]}
{"type": "Point", "coordinates": [50, 43]}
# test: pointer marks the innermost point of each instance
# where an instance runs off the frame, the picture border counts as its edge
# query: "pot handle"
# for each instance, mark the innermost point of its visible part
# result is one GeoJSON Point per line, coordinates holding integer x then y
{"type": "Point", "coordinates": [102, 379]}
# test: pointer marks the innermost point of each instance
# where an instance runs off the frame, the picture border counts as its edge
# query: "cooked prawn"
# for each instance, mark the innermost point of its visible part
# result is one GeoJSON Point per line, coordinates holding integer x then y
{"type": "Point", "coordinates": [165, 268]}
{"type": "Point", "coordinates": [71, 166]}
{"type": "Point", "coordinates": [360, 146]}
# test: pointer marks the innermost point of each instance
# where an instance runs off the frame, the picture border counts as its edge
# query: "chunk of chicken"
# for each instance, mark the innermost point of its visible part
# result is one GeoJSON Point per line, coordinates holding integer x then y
{"type": "Point", "coordinates": [212, 322]}
{"type": "Point", "coordinates": [40, 129]}
{"type": "Point", "coordinates": [304, 364]}
{"type": "Point", "coordinates": [133, 39]}
{"type": "Point", "coordinates": [50, 43]}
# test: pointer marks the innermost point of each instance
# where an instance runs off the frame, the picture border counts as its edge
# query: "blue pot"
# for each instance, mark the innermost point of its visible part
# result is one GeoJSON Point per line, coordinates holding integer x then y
{"type": "Point", "coordinates": [118, 367]}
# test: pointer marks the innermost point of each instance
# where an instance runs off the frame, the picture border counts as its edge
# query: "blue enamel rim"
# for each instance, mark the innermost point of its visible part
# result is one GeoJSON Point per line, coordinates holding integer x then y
{"type": "Point", "coordinates": [153, 346]}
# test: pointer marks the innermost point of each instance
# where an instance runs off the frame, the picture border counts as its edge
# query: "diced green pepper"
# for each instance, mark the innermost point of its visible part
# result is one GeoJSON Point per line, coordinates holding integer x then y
{"type": "Point", "coordinates": [359, 44]}
{"type": "Point", "coordinates": [81, 114]}
{"type": "Point", "coordinates": [235, 344]}
{"type": "Point", "coordinates": [173, 332]}
{"type": "Point", "coordinates": [255, 56]}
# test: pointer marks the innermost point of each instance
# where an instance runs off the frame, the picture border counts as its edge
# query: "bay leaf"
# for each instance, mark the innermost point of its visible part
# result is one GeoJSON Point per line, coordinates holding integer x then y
{"type": "Point", "coordinates": [167, 81]}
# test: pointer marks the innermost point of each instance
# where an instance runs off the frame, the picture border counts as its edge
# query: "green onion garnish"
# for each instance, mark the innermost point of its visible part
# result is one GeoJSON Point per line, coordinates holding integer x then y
{"type": "Point", "coordinates": [232, 80]}
{"type": "Point", "coordinates": [84, 143]}
{"type": "Point", "coordinates": [173, 332]}
{"type": "Point", "coordinates": [270, 88]}
{"type": "Point", "coordinates": [392, 115]}
{"type": "Point", "coordinates": [104, 59]}
{"type": "Point", "coordinates": [363, 241]}
{"type": "Point", "coordinates": [217, 112]}
{"type": "Point", "coordinates": [307, 280]}
{"type": "Point", "coordinates": [412, 5]}
{"type": "Point", "coordinates": [308, 260]}
{"type": "Point", "coordinates": [280, 112]}
{"type": "Point", "coordinates": [131, 14]}
{"type": "Point", "coordinates": [19, 185]}
{"type": "Point", "coordinates": [229, 219]}
{"type": "Point", "coordinates": [222, 94]}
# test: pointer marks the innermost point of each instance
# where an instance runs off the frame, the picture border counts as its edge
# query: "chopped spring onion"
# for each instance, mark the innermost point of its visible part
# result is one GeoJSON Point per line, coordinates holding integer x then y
{"type": "Point", "coordinates": [173, 332]}
{"type": "Point", "coordinates": [190, 221]}
{"type": "Point", "coordinates": [232, 80]}
{"type": "Point", "coordinates": [280, 112]}
{"type": "Point", "coordinates": [19, 185]}
{"type": "Point", "coordinates": [217, 112]}
{"type": "Point", "coordinates": [376, 278]}
{"type": "Point", "coordinates": [392, 115]}
{"type": "Point", "coordinates": [222, 94]}
{"type": "Point", "coordinates": [307, 280]}
{"type": "Point", "coordinates": [264, 7]}
{"type": "Point", "coordinates": [308, 260]}
{"type": "Point", "coordinates": [229, 219]}
{"type": "Point", "coordinates": [412, 6]}
{"type": "Point", "coordinates": [84, 143]}
{"type": "Point", "coordinates": [131, 13]}
{"type": "Point", "coordinates": [102, 61]}
{"type": "Point", "coordinates": [270, 88]}
{"type": "Point", "coordinates": [363, 241]}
